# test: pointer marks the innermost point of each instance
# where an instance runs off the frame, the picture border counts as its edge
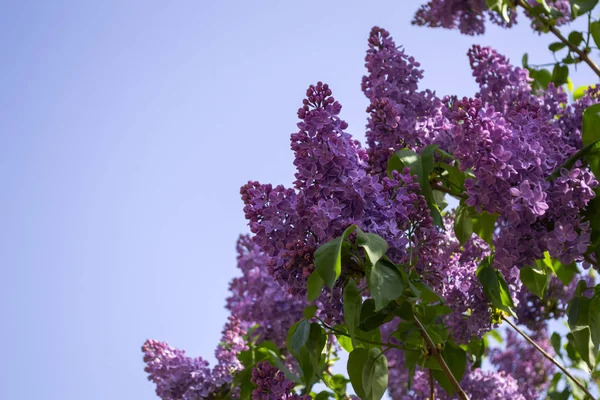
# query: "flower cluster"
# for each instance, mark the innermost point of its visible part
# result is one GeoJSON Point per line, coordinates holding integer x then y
{"type": "Point", "coordinates": [526, 364]}
{"type": "Point", "coordinates": [179, 377]}
{"type": "Point", "coordinates": [469, 16]}
{"type": "Point", "coordinates": [256, 299]}
{"type": "Point", "coordinates": [271, 384]}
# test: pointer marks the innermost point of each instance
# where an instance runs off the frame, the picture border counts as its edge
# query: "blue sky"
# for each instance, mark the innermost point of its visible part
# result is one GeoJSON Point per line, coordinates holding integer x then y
{"type": "Point", "coordinates": [126, 130]}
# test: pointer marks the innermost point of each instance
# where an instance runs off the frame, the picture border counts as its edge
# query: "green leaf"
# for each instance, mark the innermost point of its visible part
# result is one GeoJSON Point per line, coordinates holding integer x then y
{"type": "Point", "coordinates": [580, 91]}
{"type": "Point", "coordinates": [591, 124]}
{"type": "Point", "coordinates": [575, 38]}
{"type": "Point", "coordinates": [560, 74]}
{"type": "Point", "coordinates": [352, 305]}
{"type": "Point", "coordinates": [541, 79]}
{"type": "Point", "coordinates": [580, 7]}
{"type": "Point", "coordinates": [525, 60]}
{"type": "Point", "coordinates": [555, 340]}
{"type": "Point", "coordinates": [595, 31]}
{"type": "Point", "coordinates": [495, 287]}
{"type": "Point", "coordinates": [556, 46]}
{"type": "Point", "coordinates": [385, 283]}
{"type": "Point", "coordinates": [564, 272]}
{"type": "Point", "coordinates": [421, 166]}
{"type": "Point", "coordinates": [375, 375]}
{"type": "Point", "coordinates": [356, 362]}
{"type": "Point", "coordinates": [309, 312]}
{"type": "Point", "coordinates": [375, 246]}
{"type": "Point", "coordinates": [476, 348]}
{"type": "Point", "coordinates": [484, 225]}
{"type": "Point", "coordinates": [298, 336]}
{"type": "Point", "coordinates": [324, 395]}
{"type": "Point", "coordinates": [536, 278]}
{"type": "Point", "coordinates": [328, 258]}
{"type": "Point", "coordinates": [423, 291]}
{"type": "Point", "coordinates": [463, 225]}
{"type": "Point", "coordinates": [345, 342]}
{"type": "Point", "coordinates": [579, 323]}
{"type": "Point", "coordinates": [314, 285]}
{"type": "Point", "coordinates": [372, 319]}
{"type": "Point", "coordinates": [456, 358]}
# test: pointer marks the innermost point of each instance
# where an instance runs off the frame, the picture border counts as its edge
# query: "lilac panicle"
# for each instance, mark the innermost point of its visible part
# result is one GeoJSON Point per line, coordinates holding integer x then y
{"type": "Point", "coordinates": [179, 377]}
{"type": "Point", "coordinates": [271, 384]}
{"type": "Point", "coordinates": [525, 363]}
{"type": "Point", "coordinates": [257, 299]}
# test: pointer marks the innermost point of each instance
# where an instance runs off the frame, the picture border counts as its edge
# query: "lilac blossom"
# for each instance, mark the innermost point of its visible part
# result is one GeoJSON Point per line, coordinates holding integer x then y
{"type": "Point", "coordinates": [271, 384]}
{"type": "Point", "coordinates": [179, 377]}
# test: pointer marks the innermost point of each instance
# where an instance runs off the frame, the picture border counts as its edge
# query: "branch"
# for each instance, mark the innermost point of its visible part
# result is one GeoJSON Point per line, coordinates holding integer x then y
{"type": "Point", "coordinates": [582, 55]}
{"type": "Point", "coordinates": [549, 357]}
{"type": "Point", "coordinates": [432, 389]}
{"type": "Point", "coordinates": [441, 361]}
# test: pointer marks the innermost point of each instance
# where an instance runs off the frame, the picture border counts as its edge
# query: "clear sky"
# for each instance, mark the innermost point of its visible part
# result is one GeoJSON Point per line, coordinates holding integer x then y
{"type": "Point", "coordinates": [126, 130]}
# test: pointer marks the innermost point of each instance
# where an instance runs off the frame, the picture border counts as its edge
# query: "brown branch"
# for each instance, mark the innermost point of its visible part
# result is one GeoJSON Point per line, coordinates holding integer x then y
{"type": "Point", "coordinates": [432, 388]}
{"type": "Point", "coordinates": [440, 360]}
{"type": "Point", "coordinates": [549, 357]}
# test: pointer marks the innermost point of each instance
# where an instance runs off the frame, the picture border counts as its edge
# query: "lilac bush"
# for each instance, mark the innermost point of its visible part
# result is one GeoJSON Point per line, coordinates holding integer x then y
{"type": "Point", "coordinates": [363, 254]}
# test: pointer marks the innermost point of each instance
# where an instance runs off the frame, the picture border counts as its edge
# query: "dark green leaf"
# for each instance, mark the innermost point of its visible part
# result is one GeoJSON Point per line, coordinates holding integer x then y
{"type": "Point", "coordinates": [484, 225]}
{"type": "Point", "coordinates": [463, 225]}
{"type": "Point", "coordinates": [580, 7]}
{"type": "Point", "coordinates": [579, 321]}
{"type": "Point", "coordinates": [352, 305]}
{"type": "Point", "coordinates": [591, 124]}
{"type": "Point", "coordinates": [525, 60]}
{"type": "Point", "coordinates": [476, 348]}
{"type": "Point", "coordinates": [595, 31]}
{"type": "Point", "coordinates": [495, 287]}
{"type": "Point", "coordinates": [314, 286]}
{"type": "Point", "coordinates": [372, 319]}
{"type": "Point", "coordinates": [309, 312]}
{"type": "Point", "coordinates": [298, 336]}
{"type": "Point", "coordinates": [423, 291]}
{"type": "Point", "coordinates": [328, 258]}
{"type": "Point", "coordinates": [575, 38]}
{"type": "Point", "coordinates": [555, 340]}
{"type": "Point", "coordinates": [375, 375]}
{"type": "Point", "coordinates": [541, 79]}
{"type": "Point", "coordinates": [375, 246]}
{"type": "Point", "coordinates": [556, 46]}
{"type": "Point", "coordinates": [560, 73]}
{"type": "Point", "coordinates": [385, 283]}
{"type": "Point", "coordinates": [324, 395]}
{"type": "Point", "coordinates": [356, 362]}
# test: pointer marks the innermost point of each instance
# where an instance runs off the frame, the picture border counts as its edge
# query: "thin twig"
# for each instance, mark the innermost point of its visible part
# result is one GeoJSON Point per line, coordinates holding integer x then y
{"type": "Point", "coordinates": [432, 388]}
{"type": "Point", "coordinates": [336, 331]}
{"type": "Point", "coordinates": [441, 361]}
{"type": "Point", "coordinates": [549, 357]}
{"type": "Point", "coordinates": [582, 54]}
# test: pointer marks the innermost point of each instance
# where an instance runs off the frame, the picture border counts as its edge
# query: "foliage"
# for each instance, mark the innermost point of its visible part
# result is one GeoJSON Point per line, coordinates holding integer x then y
{"type": "Point", "coordinates": [363, 254]}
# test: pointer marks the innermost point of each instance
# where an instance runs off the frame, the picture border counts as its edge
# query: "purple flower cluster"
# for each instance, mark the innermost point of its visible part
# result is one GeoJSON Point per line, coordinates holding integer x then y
{"type": "Point", "coordinates": [256, 299]}
{"type": "Point", "coordinates": [179, 377]}
{"type": "Point", "coordinates": [271, 384]}
{"type": "Point", "coordinates": [466, 15]}
{"type": "Point", "coordinates": [469, 16]}
{"type": "Point", "coordinates": [333, 189]}
{"type": "Point", "coordinates": [526, 364]}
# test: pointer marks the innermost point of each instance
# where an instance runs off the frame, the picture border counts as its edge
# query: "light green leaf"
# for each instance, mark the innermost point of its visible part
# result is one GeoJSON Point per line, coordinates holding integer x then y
{"type": "Point", "coordinates": [536, 278]}
{"type": "Point", "coordinates": [591, 124]}
{"type": "Point", "coordinates": [484, 224]}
